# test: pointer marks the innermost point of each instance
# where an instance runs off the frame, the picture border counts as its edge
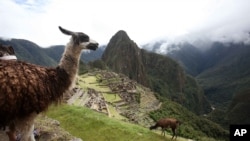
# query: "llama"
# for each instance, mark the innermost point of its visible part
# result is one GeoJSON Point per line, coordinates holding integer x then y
{"type": "Point", "coordinates": [165, 123]}
{"type": "Point", "coordinates": [27, 89]}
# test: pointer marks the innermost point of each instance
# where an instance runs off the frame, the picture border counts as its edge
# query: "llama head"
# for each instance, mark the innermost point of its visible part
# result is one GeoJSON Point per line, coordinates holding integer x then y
{"type": "Point", "coordinates": [80, 39]}
{"type": "Point", "coordinates": [7, 53]}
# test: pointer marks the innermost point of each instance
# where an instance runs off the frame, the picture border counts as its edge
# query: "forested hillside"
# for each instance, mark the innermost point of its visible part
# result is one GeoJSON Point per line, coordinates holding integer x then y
{"type": "Point", "coordinates": [222, 70]}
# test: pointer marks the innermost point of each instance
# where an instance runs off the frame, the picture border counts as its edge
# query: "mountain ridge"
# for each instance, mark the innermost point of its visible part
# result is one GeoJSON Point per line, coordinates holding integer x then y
{"type": "Point", "coordinates": [222, 69]}
{"type": "Point", "coordinates": [28, 51]}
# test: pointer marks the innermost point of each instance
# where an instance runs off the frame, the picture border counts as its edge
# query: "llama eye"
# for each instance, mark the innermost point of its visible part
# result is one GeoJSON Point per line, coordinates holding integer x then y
{"type": "Point", "coordinates": [83, 38]}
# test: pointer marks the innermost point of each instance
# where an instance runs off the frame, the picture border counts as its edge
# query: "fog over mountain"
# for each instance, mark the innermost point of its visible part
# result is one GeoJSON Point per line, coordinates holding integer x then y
{"type": "Point", "coordinates": [201, 41]}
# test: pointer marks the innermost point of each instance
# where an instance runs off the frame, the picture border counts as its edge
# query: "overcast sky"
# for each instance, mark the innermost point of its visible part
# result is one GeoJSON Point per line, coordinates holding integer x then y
{"type": "Point", "coordinates": [143, 20]}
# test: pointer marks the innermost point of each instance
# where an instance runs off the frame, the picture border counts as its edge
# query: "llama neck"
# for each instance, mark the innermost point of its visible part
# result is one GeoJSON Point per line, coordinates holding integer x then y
{"type": "Point", "coordinates": [70, 61]}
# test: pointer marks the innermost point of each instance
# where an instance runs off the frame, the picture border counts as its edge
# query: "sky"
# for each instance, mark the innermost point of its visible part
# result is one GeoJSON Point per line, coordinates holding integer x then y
{"type": "Point", "coordinates": [143, 20]}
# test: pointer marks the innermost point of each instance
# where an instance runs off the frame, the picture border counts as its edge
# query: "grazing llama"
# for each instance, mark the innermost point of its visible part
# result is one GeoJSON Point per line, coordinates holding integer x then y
{"type": "Point", "coordinates": [165, 123]}
{"type": "Point", "coordinates": [27, 89]}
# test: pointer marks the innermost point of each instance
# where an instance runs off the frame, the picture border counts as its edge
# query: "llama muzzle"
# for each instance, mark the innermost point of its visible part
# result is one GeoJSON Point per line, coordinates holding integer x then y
{"type": "Point", "coordinates": [92, 46]}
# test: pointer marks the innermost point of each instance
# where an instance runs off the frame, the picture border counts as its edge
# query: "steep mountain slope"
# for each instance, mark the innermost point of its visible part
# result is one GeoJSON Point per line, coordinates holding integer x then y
{"type": "Point", "coordinates": [227, 72]}
{"type": "Point", "coordinates": [168, 79]}
{"type": "Point", "coordinates": [189, 57]}
{"type": "Point", "coordinates": [238, 111]}
{"type": "Point", "coordinates": [223, 72]}
{"type": "Point", "coordinates": [122, 55]}
{"type": "Point", "coordinates": [159, 72]}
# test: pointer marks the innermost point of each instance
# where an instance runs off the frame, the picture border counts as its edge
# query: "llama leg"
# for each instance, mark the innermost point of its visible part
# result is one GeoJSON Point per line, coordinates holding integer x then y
{"type": "Point", "coordinates": [28, 128]}
{"type": "Point", "coordinates": [11, 135]}
{"type": "Point", "coordinates": [176, 132]}
{"type": "Point", "coordinates": [28, 135]}
{"type": "Point", "coordinates": [31, 137]}
{"type": "Point", "coordinates": [163, 131]}
{"type": "Point", "coordinates": [173, 133]}
{"type": "Point", "coordinates": [12, 132]}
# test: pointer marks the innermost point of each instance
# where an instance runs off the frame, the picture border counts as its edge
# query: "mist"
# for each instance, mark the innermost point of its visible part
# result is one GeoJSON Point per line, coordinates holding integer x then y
{"type": "Point", "coordinates": [150, 21]}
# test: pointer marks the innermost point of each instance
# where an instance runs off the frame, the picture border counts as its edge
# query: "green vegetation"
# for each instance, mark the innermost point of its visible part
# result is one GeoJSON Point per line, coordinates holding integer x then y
{"type": "Point", "coordinates": [92, 126]}
{"type": "Point", "coordinates": [114, 114]}
{"type": "Point", "coordinates": [86, 81]}
{"type": "Point", "coordinates": [111, 97]}
{"type": "Point", "coordinates": [194, 127]}
{"type": "Point", "coordinates": [238, 112]}
{"type": "Point", "coordinates": [169, 80]}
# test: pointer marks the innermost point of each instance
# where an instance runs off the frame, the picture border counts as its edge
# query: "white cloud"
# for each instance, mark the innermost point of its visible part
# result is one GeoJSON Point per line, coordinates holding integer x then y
{"type": "Point", "coordinates": [144, 20]}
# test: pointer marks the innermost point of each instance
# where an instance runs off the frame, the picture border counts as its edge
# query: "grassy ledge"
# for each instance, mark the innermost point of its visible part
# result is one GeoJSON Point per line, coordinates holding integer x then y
{"type": "Point", "coordinates": [92, 126]}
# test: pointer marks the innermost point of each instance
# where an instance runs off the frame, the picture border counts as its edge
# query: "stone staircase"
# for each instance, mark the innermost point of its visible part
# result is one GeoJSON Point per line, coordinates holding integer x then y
{"type": "Point", "coordinates": [79, 98]}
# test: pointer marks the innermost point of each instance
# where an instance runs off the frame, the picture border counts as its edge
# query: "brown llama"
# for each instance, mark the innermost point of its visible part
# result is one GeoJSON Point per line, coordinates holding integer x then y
{"type": "Point", "coordinates": [164, 123]}
{"type": "Point", "coordinates": [27, 89]}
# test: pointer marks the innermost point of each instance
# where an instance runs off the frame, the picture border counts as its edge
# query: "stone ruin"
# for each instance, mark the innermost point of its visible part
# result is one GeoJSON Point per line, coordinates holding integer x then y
{"type": "Point", "coordinates": [130, 105]}
{"type": "Point", "coordinates": [96, 101]}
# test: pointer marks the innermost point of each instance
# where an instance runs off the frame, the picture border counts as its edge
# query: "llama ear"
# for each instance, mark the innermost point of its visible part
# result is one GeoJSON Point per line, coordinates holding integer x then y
{"type": "Point", "coordinates": [65, 31]}
{"type": "Point", "coordinates": [10, 48]}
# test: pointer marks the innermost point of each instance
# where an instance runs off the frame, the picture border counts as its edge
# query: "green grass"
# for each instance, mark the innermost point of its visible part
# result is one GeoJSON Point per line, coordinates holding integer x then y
{"type": "Point", "coordinates": [111, 97]}
{"type": "Point", "coordinates": [86, 81]}
{"type": "Point", "coordinates": [90, 81]}
{"type": "Point", "coordinates": [92, 126]}
{"type": "Point", "coordinates": [114, 114]}
{"type": "Point", "coordinates": [193, 126]}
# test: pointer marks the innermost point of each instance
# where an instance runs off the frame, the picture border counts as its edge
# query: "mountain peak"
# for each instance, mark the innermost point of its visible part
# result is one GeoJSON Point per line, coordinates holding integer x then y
{"type": "Point", "coordinates": [121, 35]}
{"type": "Point", "coordinates": [122, 55]}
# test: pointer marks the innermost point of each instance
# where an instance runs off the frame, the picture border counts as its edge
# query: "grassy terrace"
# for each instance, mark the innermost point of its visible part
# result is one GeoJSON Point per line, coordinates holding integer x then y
{"type": "Point", "coordinates": [92, 126]}
{"type": "Point", "coordinates": [91, 81]}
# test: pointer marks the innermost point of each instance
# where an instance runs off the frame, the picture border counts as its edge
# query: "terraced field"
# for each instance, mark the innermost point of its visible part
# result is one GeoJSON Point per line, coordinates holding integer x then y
{"type": "Point", "coordinates": [115, 95]}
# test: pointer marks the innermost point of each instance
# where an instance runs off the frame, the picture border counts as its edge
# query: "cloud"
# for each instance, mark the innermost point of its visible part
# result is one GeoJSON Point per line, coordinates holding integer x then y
{"type": "Point", "coordinates": [144, 21]}
{"type": "Point", "coordinates": [226, 22]}
{"type": "Point", "coordinates": [19, 21]}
